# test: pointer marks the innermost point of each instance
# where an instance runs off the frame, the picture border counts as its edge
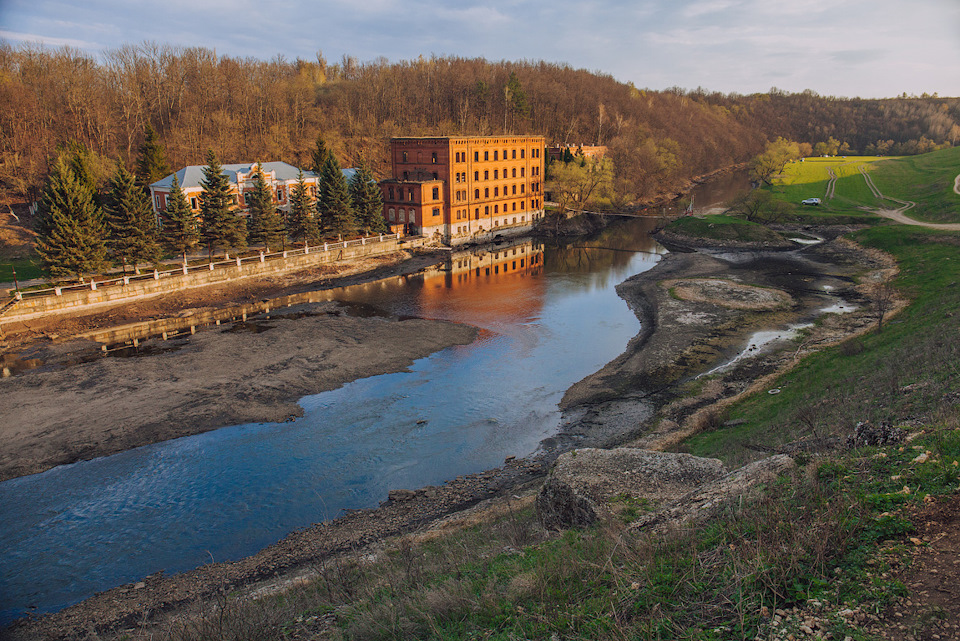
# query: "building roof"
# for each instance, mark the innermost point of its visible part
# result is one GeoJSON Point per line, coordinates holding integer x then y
{"type": "Point", "coordinates": [190, 176]}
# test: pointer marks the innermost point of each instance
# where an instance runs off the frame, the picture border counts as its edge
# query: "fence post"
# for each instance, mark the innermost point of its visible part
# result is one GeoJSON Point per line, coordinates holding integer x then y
{"type": "Point", "coordinates": [57, 291]}
{"type": "Point", "coordinates": [238, 261]}
{"type": "Point", "coordinates": [284, 253]}
{"type": "Point", "coordinates": [126, 280]}
{"type": "Point", "coordinates": [211, 266]}
{"type": "Point", "coordinates": [156, 274]}
{"type": "Point", "coordinates": [325, 247]}
{"type": "Point", "coordinates": [93, 284]}
{"type": "Point", "coordinates": [184, 269]}
{"type": "Point", "coordinates": [19, 296]}
{"type": "Point", "coordinates": [306, 248]}
{"type": "Point", "coordinates": [344, 244]}
{"type": "Point", "coordinates": [381, 238]}
{"type": "Point", "coordinates": [363, 240]}
{"type": "Point", "coordinates": [262, 259]}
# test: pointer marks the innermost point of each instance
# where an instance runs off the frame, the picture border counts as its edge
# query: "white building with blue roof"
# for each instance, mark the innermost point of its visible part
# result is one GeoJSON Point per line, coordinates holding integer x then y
{"type": "Point", "coordinates": [280, 177]}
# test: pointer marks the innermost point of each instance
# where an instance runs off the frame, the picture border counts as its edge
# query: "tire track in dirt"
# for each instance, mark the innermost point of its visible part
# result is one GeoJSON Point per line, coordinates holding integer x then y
{"type": "Point", "coordinates": [831, 185]}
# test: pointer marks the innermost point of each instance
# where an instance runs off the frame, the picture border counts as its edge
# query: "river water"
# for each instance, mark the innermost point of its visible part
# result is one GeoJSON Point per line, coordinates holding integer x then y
{"type": "Point", "coordinates": [548, 317]}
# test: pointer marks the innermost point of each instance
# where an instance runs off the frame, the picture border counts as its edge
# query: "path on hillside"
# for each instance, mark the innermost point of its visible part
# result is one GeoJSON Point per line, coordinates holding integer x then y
{"type": "Point", "coordinates": [831, 185]}
{"type": "Point", "coordinates": [897, 214]}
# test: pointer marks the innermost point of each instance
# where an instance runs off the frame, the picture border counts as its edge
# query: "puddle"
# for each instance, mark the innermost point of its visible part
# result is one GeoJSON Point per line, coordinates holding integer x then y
{"type": "Point", "coordinates": [767, 338]}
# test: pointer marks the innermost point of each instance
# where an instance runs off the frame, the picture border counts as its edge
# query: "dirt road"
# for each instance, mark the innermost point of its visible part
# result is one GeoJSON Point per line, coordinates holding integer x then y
{"type": "Point", "coordinates": [898, 215]}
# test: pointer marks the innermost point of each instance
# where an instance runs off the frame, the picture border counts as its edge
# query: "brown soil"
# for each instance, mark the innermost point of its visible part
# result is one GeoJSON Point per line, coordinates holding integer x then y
{"type": "Point", "coordinates": [933, 578]}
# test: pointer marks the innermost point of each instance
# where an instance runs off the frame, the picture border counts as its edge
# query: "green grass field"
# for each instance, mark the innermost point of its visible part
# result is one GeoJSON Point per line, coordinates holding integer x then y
{"type": "Point", "coordinates": [26, 268]}
{"type": "Point", "coordinates": [926, 179]}
{"type": "Point", "coordinates": [722, 227]}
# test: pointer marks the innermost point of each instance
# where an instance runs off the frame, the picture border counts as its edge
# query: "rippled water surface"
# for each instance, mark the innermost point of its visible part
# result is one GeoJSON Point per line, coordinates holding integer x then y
{"type": "Point", "coordinates": [548, 317]}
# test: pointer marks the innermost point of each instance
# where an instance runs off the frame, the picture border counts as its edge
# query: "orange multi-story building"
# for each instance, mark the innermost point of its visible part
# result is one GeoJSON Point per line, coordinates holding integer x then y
{"type": "Point", "coordinates": [466, 188]}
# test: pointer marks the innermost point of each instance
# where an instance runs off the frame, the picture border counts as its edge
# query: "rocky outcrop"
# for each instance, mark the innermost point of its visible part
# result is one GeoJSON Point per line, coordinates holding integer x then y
{"type": "Point", "coordinates": [713, 497]}
{"type": "Point", "coordinates": [867, 434]}
{"type": "Point", "coordinates": [583, 482]}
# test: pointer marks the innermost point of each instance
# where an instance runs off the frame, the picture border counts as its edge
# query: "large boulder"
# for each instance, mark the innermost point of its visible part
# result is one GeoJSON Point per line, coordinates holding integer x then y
{"type": "Point", "coordinates": [711, 498]}
{"type": "Point", "coordinates": [584, 483]}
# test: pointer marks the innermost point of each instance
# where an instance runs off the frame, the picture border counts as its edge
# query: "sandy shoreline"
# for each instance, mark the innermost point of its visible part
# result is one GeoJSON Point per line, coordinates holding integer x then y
{"type": "Point", "coordinates": [611, 407]}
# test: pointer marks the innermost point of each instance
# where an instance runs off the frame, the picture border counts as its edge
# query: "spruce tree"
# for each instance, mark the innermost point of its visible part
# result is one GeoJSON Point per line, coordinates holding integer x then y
{"type": "Point", "coordinates": [133, 233]}
{"type": "Point", "coordinates": [302, 225]}
{"type": "Point", "coordinates": [367, 201]}
{"type": "Point", "coordinates": [319, 155]}
{"type": "Point", "coordinates": [71, 235]}
{"type": "Point", "coordinates": [151, 166]}
{"type": "Point", "coordinates": [266, 224]}
{"type": "Point", "coordinates": [333, 205]}
{"type": "Point", "coordinates": [180, 229]}
{"type": "Point", "coordinates": [220, 226]}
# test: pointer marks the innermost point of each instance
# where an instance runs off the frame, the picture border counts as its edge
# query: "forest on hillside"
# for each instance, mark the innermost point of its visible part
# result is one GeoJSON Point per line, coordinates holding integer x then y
{"type": "Point", "coordinates": [246, 109]}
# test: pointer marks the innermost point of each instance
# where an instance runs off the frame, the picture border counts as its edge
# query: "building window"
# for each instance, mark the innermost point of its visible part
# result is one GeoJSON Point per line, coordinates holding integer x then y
{"type": "Point", "coordinates": [406, 176]}
{"type": "Point", "coordinates": [494, 154]}
{"type": "Point", "coordinates": [486, 210]}
{"type": "Point", "coordinates": [193, 202]}
{"type": "Point", "coordinates": [410, 196]}
{"type": "Point", "coordinates": [436, 193]}
{"type": "Point", "coordinates": [391, 214]}
{"type": "Point", "coordinates": [486, 155]}
{"type": "Point", "coordinates": [496, 174]}
{"type": "Point", "coordinates": [521, 152]}
{"type": "Point", "coordinates": [433, 158]}
{"type": "Point", "coordinates": [404, 156]}
{"type": "Point", "coordinates": [279, 193]}
{"type": "Point", "coordinates": [523, 205]}
{"type": "Point", "coordinates": [486, 174]}
{"type": "Point", "coordinates": [496, 209]}
{"type": "Point", "coordinates": [156, 201]}
{"type": "Point", "coordinates": [496, 192]}
{"type": "Point", "coordinates": [514, 172]}
{"type": "Point", "coordinates": [514, 190]}
{"type": "Point", "coordinates": [521, 172]}
{"type": "Point", "coordinates": [513, 154]}
{"type": "Point", "coordinates": [476, 193]}
{"type": "Point", "coordinates": [390, 191]}
{"type": "Point", "coordinates": [476, 156]}
{"type": "Point", "coordinates": [514, 205]}
{"type": "Point", "coordinates": [476, 213]}
{"type": "Point", "coordinates": [476, 175]}
{"type": "Point", "coordinates": [523, 187]}
{"type": "Point", "coordinates": [486, 192]}
{"type": "Point", "coordinates": [436, 211]}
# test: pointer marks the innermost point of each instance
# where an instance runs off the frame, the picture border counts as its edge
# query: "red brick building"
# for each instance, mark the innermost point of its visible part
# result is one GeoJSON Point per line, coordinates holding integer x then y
{"type": "Point", "coordinates": [466, 188]}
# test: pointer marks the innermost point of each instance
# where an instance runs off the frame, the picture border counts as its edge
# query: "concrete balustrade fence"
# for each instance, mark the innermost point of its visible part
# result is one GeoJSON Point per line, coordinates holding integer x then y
{"type": "Point", "coordinates": [97, 293]}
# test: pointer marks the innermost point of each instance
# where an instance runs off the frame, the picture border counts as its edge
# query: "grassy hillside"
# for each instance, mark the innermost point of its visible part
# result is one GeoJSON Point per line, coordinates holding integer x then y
{"type": "Point", "coordinates": [927, 179]}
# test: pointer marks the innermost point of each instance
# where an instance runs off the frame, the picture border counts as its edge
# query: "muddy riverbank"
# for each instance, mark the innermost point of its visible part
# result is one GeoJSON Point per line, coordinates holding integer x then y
{"type": "Point", "coordinates": [633, 397]}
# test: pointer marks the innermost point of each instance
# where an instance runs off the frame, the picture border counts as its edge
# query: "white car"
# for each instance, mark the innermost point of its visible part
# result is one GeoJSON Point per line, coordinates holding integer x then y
{"type": "Point", "coordinates": [810, 201]}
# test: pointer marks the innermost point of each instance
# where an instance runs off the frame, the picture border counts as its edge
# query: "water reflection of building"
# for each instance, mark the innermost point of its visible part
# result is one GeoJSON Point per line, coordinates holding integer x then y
{"type": "Point", "coordinates": [495, 280]}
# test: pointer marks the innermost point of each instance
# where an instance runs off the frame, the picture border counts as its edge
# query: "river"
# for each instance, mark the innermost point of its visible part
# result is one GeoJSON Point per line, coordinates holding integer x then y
{"type": "Point", "coordinates": [548, 317]}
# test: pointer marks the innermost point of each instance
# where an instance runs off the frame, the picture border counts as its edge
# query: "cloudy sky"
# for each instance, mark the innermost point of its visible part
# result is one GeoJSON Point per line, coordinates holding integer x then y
{"type": "Point", "coordinates": [866, 48]}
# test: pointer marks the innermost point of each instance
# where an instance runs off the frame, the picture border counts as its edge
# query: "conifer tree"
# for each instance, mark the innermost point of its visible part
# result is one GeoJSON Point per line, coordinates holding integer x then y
{"type": "Point", "coordinates": [220, 226]}
{"type": "Point", "coordinates": [133, 232]}
{"type": "Point", "coordinates": [266, 225]}
{"type": "Point", "coordinates": [302, 224]}
{"type": "Point", "coordinates": [180, 229]}
{"type": "Point", "coordinates": [367, 201]}
{"type": "Point", "coordinates": [71, 235]}
{"type": "Point", "coordinates": [151, 166]}
{"type": "Point", "coordinates": [319, 155]}
{"type": "Point", "coordinates": [333, 205]}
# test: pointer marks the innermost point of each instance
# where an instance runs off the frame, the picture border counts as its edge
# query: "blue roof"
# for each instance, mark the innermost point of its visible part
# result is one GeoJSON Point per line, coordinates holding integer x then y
{"type": "Point", "coordinates": [190, 176]}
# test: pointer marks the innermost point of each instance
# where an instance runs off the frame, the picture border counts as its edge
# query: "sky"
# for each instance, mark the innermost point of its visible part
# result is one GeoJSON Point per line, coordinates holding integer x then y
{"type": "Point", "coordinates": [843, 48]}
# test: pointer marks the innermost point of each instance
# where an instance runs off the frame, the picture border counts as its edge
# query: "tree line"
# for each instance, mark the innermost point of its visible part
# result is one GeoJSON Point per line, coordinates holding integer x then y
{"type": "Point", "coordinates": [244, 108]}
{"type": "Point", "coordinates": [82, 228]}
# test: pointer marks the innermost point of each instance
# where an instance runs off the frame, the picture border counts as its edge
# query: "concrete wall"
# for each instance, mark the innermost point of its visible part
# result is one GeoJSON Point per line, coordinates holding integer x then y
{"type": "Point", "coordinates": [94, 295]}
